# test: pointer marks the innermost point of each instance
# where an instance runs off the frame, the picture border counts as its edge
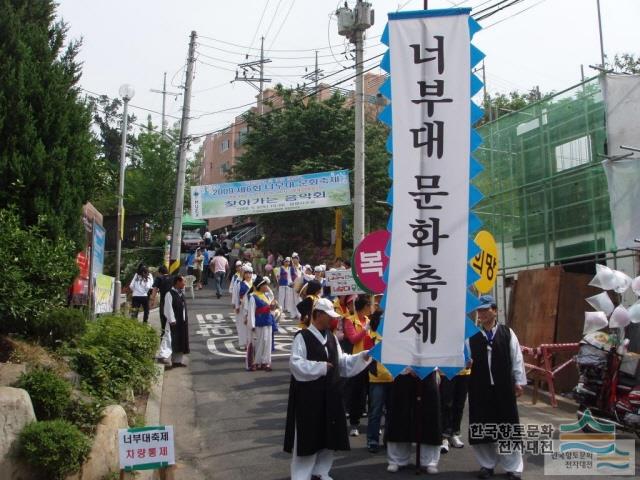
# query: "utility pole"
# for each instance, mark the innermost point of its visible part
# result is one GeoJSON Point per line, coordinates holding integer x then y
{"type": "Point", "coordinates": [164, 93]}
{"type": "Point", "coordinates": [601, 39]}
{"type": "Point", "coordinates": [315, 76]}
{"type": "Point", "coordinates": [352, 24]}
{"type": "Point", "coordinates": [256, 66]}
{"type": "Point", "coordinates": [176, 232]}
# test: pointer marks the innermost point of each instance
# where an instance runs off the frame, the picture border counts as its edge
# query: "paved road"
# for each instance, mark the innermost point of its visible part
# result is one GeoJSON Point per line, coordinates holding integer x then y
{"type": "Point", "coordinates": [230, 423]}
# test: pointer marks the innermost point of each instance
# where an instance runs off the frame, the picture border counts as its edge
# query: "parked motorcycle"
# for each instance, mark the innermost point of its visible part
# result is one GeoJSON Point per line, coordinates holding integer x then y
{"type": "Point", "coordinates": [609, 384]}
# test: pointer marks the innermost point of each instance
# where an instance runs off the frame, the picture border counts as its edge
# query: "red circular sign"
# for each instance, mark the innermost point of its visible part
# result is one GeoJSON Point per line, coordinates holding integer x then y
{"type": "Point", "coordinates": [370, 261]}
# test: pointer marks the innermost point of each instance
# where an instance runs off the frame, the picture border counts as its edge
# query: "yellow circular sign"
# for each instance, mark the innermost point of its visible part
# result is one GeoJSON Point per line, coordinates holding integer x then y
{"type": "Point", "coordinates": [486, 262]}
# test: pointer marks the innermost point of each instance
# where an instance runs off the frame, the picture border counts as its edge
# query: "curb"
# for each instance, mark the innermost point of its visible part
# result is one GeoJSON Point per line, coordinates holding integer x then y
{"type": "Point", "coordinates": [564, 404]}
{"type": "Point", "coordinates": [152, 415]}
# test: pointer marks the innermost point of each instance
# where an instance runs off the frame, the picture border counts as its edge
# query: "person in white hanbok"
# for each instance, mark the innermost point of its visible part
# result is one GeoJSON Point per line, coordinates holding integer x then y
{"type": "Point", "coordinates": [316, 424]}
{"type": "Point", "coordinates": [241, 305]}
{"type": "Point", "coordinates": [234, 284]}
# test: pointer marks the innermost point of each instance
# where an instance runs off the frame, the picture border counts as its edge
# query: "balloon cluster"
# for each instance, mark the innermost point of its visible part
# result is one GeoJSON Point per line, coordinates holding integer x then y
{"type": "Point", "coordinates": [606, 314]}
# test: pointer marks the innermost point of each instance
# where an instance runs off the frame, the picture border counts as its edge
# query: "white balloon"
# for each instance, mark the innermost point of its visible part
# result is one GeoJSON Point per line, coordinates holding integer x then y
{"type": "Point", "coordinates": [622, 281]}
{"type": "Point", "coordinates": [635, 285]}
{"type": "Point", "coordinates": [601, 302]}
{"type": "Point", "coordinates": [619, 318]}
{"type": "Point", "coordinates": [634, 312]}
{"type": "Point", "coordinates": [594, 321]}
{"type": "Point", "coordinates": [604, 278]}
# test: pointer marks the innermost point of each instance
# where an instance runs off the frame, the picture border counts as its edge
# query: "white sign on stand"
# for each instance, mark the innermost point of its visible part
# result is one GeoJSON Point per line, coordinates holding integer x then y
{"type": "Point", "coordinates": [341, 282]}
{"type": "Point", "coordinates": [146, 448]}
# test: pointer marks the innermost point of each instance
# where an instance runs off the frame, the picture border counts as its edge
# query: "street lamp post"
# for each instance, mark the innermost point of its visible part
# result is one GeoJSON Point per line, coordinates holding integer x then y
{"type": "Point", "coordinates": [126, 92]}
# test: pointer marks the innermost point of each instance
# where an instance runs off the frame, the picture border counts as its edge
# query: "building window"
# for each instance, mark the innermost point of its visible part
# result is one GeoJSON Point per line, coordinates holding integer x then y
{"type": "Point", "coordinates": [224, 168]}
{"type": "Point", "coordinates": [224, 146]}
{"type": "Point", "coordinates": [573, 154]}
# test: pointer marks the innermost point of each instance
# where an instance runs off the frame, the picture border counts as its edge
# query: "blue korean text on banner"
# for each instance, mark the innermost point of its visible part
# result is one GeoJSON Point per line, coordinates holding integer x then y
{"type": "Point", "coordinates": [427, 300]}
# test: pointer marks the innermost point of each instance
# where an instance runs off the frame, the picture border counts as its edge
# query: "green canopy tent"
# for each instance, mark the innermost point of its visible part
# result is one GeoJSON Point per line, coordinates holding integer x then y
{"type": "Point", "coordinates": [189, 222]}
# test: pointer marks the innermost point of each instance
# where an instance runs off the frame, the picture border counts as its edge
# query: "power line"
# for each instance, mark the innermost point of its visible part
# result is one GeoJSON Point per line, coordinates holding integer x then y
{"type": "Point", "coordinates": [241, 54]}
{"type": "Point", "coordinates": [282, 24]}
{"type": "Point", "coordinates": [244, 47]}
{"type": "Point", "coordinates": [253, 103]}
{"type": "Point", "coordinates": [258, 27]}
{"type": "Point", "coordinates": [493, 12]}
{"type": "Point", "coordinates": [275, 14]}
{"type": "Point", "coordinates": [97, 95]}
{"type": "Point", "coordinates": [313, 93]}
{"type": "Point", "coordinates": [514, 15]}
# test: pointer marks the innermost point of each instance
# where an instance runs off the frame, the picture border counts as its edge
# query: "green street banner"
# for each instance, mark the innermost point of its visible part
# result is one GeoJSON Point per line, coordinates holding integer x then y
{"type": "Point", "coordinates": [300, 192]}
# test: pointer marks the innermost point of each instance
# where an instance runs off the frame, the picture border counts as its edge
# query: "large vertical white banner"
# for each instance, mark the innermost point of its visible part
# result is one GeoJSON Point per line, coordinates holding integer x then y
{"type": "Point", "coordinates": [426, 298]}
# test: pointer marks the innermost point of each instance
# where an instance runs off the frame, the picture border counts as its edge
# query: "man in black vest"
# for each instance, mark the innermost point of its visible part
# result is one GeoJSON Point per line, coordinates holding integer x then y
{"type": "Point", "coordinates": [175, 309]}
{"type": "Point", "coordinates": [316, 423]}
{"type": "Point", "coordinates": [497, 377]}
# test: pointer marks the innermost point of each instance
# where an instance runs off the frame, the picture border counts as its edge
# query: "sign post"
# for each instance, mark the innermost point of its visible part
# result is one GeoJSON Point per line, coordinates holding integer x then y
{"type": "Point", "coordinates": [485, 263]}
{"type": "Point", "coordinates": [370, 261]}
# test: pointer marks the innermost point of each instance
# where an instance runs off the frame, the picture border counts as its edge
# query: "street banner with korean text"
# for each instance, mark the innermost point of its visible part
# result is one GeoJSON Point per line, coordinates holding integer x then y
{"type": "Point", "coordinates": [431, 116]}
{"type": "Point", "coordinates": [300, 192]}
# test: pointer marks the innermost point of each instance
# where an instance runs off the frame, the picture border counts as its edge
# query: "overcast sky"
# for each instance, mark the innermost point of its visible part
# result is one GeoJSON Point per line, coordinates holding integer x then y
{"type": "Point", "coordinates": [536, 42]}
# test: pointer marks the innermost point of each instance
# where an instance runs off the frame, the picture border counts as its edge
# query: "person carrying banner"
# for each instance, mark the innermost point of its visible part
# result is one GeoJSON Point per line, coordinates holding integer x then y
{"type": "Point", "coordinates": [414, 418]}
{"type": "Point", "coordinates": [285, 292]}
{"type": "Point", "coordinates": [496, 380]}
{"type": "Point", "coordinates": [316, 425]}
{"type": "Point", "coordinates": [242, 305]}
{"type": "Point", "coordinates": [261, 324]}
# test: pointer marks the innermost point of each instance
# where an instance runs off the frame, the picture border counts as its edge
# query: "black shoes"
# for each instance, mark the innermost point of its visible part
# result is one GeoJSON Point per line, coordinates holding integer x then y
{"type": "Point", "coordinates": [513, 475]}
{"type": "Point", "coordinates": [485, 473]}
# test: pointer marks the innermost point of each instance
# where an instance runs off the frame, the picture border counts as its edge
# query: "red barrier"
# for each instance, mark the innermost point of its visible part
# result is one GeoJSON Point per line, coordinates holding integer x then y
{"type": "Point", "coordinates": [543, 370]}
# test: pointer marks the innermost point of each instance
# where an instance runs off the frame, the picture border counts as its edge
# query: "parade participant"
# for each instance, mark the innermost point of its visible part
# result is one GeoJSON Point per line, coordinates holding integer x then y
{"type": "Point", "coordinates": [285, 293]}
{"type": "Point", "coordinates": [296, 276]}
{"type": "Point", "coordinates": [496, 380]}
{"type": "Point", "coordinates": [414, 417]}
{"type": "Point", "coordinates": [234, 284]}
{"type": "Point", "coordinates": [453, 395]}
{"type": "Point", "coordinates": [343, 304]}
{"type": "Point", "coordinates": [311, 293]}
{"type": "Point", "coordinates": [175, 309]}
{"type": "Point", "coordinates": [315, 415]}
{"type": "Point", "coordinates": [198, 266]}
{"type": "Point", "coordinates": [242, 306]}
{"type": "Point", "coordinates": [261, 323]}
{"type": "Point", "coordinates": [380, 382]}
{"type": "Point", "coordinates": [356, 331]}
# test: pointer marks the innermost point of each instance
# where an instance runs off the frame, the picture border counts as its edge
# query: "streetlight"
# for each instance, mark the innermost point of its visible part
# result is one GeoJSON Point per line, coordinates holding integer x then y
{"type": "Point", "coordinates": [126, 92]}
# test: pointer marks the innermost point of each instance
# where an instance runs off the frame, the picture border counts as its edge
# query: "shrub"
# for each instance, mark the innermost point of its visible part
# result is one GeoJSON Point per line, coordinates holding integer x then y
{"type": "Point", "coordinates": [85, 415]}
{"type": "Point", "coordinates": [35, 275]}
{"type": "Point", "coordinates": [115, 354]}
{"type": "Point", "coordinates": [55, 447]}
{"type": "Point", "coordinates": [49, 393]}
{"type": "Point", "coordinates": [58, 325]}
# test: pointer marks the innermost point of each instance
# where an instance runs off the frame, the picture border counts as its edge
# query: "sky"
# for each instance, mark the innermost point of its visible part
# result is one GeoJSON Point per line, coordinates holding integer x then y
{"type": "Point", "coordinates": [532, 43]}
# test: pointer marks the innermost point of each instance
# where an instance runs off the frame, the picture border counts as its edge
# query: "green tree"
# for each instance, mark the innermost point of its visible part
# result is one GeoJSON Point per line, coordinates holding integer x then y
{"type": "Point", "coordinates": [624, 63]}
{"type": "Point", "coordinates": [311, 136]}
{"type": "Point", "coordinates": [505, 103]}
{"type": "Point", "coordinates": [47, 153]}
{"type": "Point", "coordinates": [150, 181]}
